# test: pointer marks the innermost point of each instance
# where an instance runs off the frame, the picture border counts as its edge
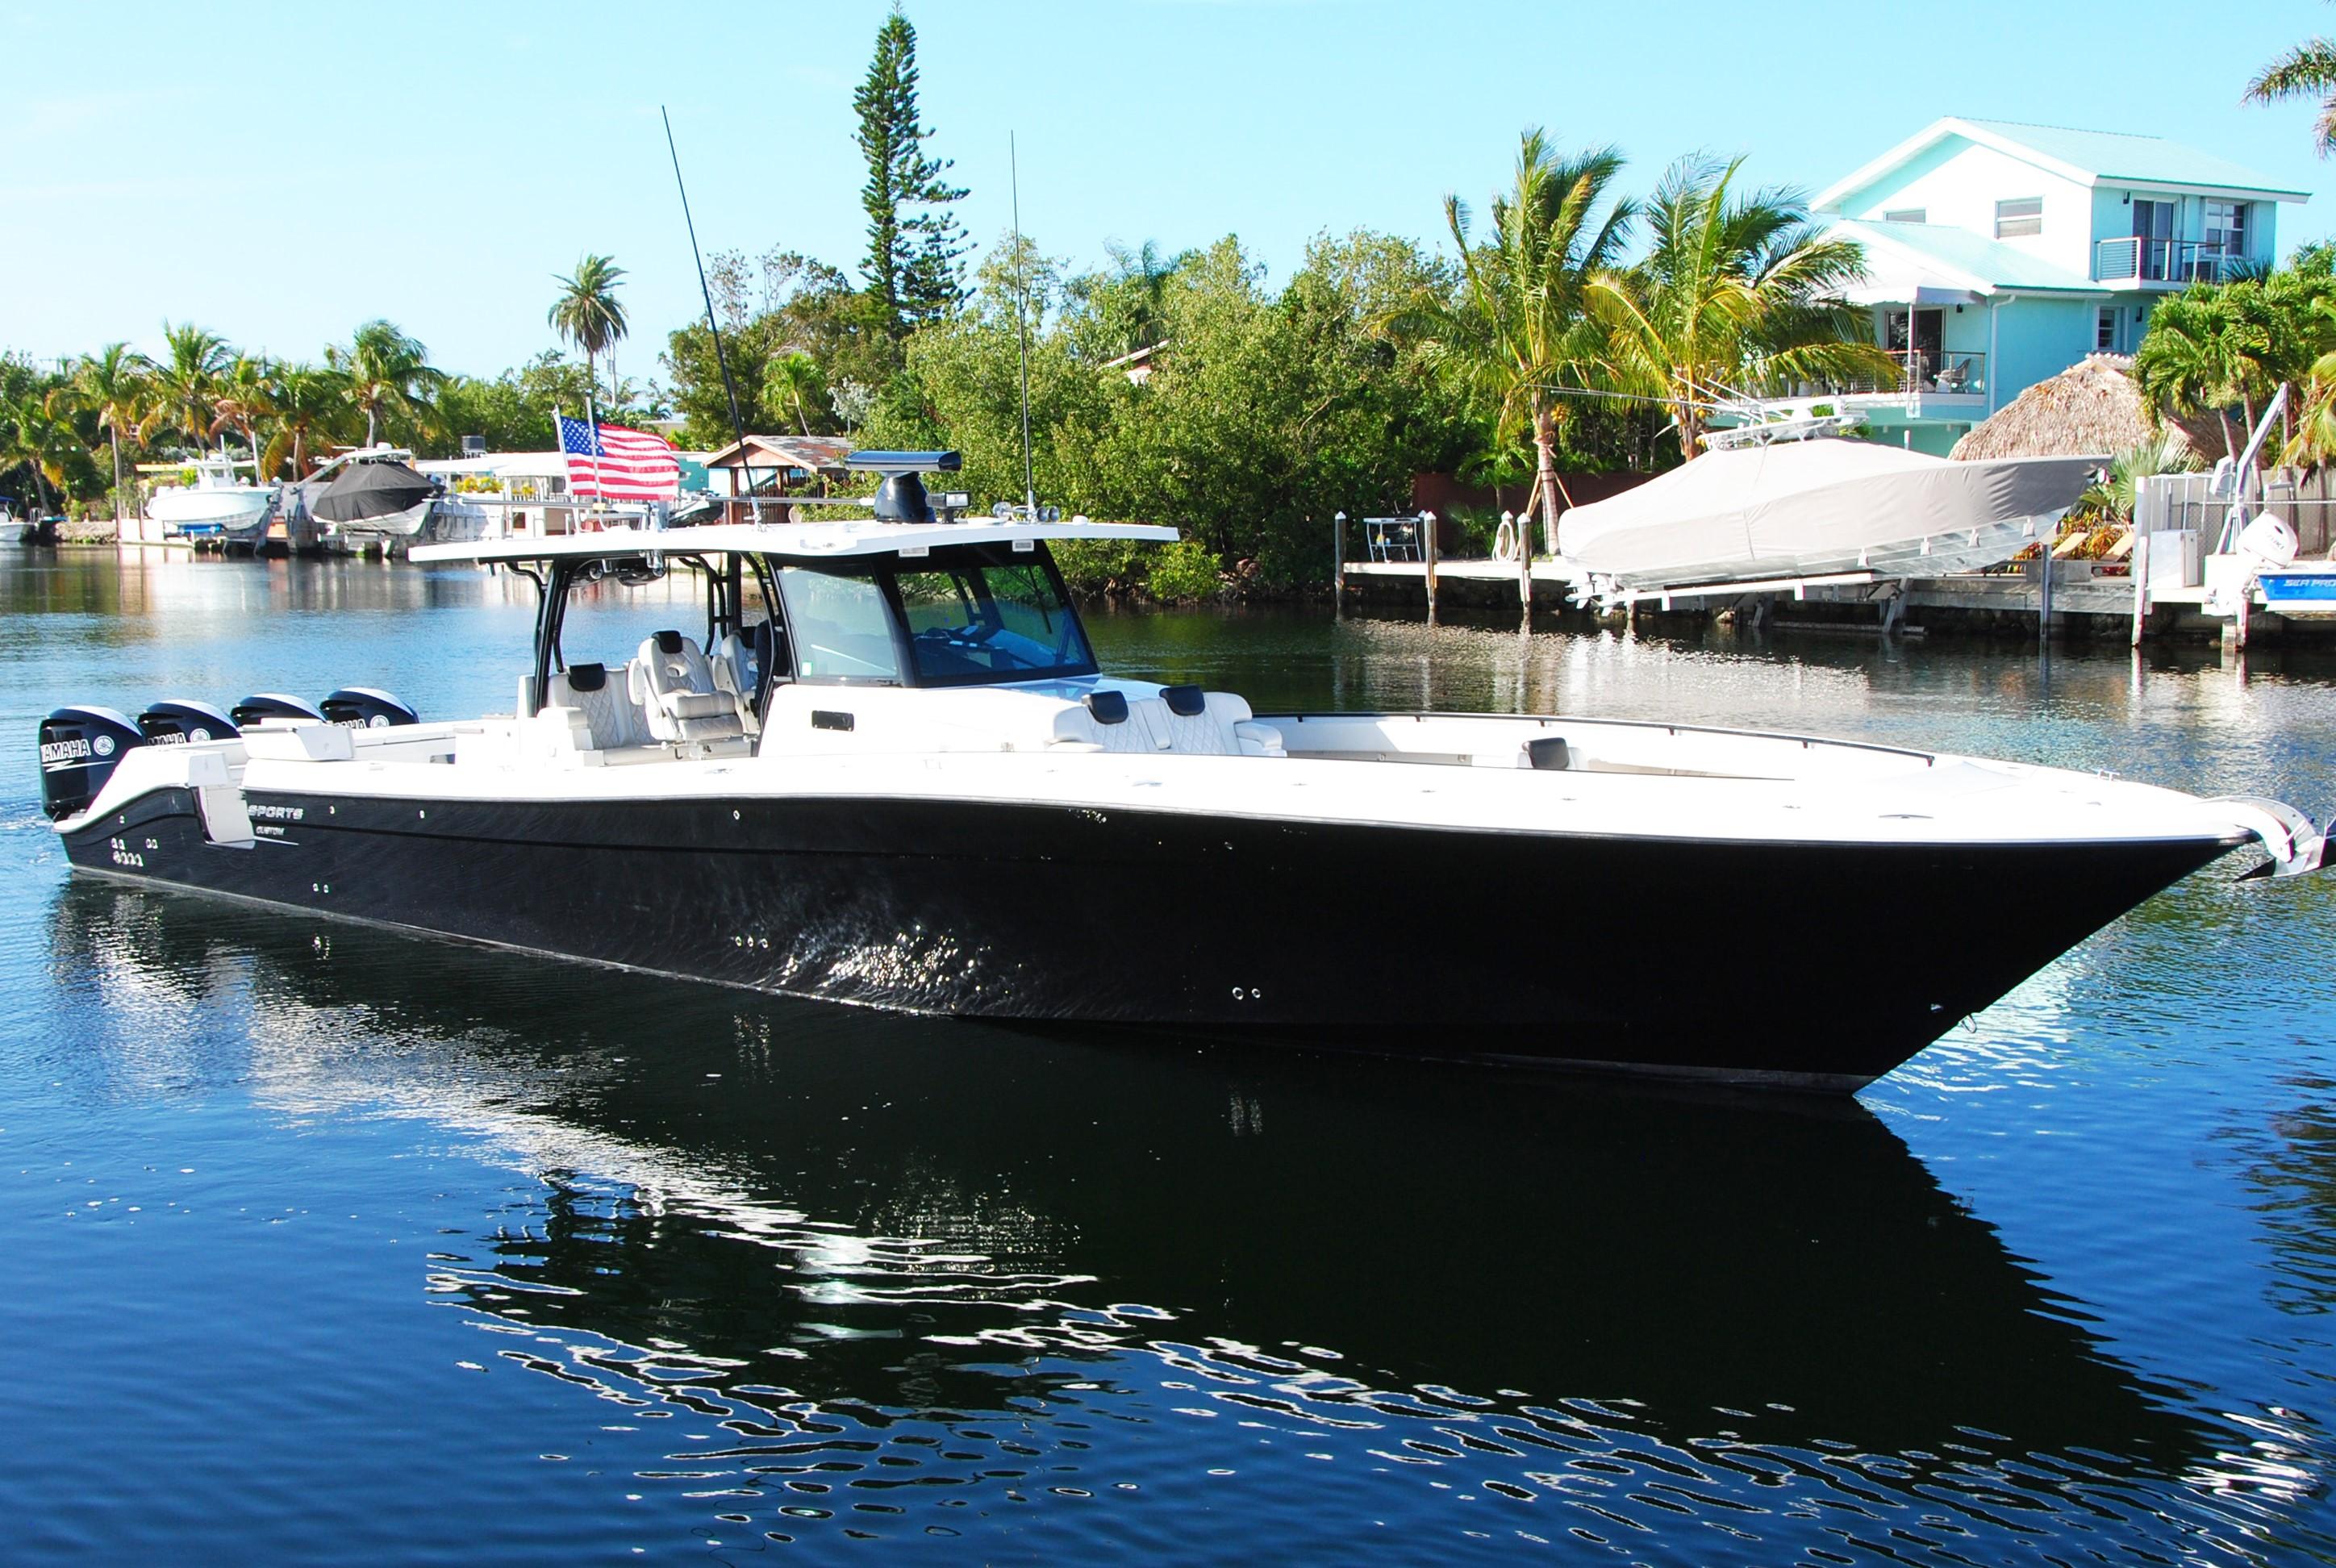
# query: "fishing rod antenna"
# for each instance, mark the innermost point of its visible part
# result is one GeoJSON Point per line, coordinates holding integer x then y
{"type": "Point", "coordinates": [1022, 323]}
{"type": "Point", "coordinates": [729, 387]}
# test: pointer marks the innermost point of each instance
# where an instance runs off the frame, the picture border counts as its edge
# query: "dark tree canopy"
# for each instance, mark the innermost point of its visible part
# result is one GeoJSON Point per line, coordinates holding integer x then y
{"type": "Point", "coordinates": [913, 269]}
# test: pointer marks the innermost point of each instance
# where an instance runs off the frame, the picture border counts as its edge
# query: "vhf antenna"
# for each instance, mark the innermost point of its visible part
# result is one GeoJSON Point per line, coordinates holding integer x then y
{"type": "Point", "coordinates": [729, 387]}
{"type": "Point", "coordinates": [1022, 325]}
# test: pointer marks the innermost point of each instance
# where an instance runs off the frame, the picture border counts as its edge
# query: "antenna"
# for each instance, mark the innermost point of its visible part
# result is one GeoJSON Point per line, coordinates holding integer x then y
{"type": "Point", "coordinates": [729, 387]}
{"type": "Point", "coordinates": [1022, 324]}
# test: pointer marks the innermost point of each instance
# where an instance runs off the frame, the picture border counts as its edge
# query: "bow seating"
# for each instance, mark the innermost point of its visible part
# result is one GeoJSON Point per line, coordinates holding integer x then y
{"type": "Point", "coordinates": [1184, 720]}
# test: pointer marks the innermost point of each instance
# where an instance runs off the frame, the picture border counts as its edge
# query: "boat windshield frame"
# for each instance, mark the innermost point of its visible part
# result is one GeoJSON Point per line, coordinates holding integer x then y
{"type": "Point", "coordinates": [915, 650]}
{"type": "Point", "coordinates": [727, 601]}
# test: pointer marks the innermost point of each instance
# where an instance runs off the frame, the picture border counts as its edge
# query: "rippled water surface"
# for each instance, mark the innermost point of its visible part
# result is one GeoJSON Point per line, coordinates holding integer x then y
{"type": "Point", "coordinates": [324, 1243]}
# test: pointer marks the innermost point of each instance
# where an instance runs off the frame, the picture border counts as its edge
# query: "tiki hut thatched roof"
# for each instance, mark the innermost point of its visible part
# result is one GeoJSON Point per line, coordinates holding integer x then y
{"type": "Point", "coordinates": [2092, 409]}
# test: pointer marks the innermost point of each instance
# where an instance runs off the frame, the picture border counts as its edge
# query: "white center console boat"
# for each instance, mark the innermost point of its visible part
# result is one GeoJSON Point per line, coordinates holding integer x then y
{"type": "Point", "coordinates": [885, 769]}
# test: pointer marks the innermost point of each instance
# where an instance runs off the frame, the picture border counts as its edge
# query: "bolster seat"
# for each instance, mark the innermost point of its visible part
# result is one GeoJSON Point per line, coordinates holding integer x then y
{"type": "Point", "coordinates": [673, 683]}
{"type": "Point", "coordinates": [604, 697]}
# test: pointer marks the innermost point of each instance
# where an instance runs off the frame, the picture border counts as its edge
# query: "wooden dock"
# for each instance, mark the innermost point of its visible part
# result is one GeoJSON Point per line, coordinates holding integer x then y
{"type": "Point", "coordinates": [2078, 602]}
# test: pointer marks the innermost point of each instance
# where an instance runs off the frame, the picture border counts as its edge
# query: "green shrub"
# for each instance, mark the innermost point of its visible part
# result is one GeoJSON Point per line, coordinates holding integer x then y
{"type": "Point", "coordinates": [1479, 525]}
{"type": "Point", "coordinates": [1184, 572]}
{"type": "Point", "coordinates": [1094, 567]}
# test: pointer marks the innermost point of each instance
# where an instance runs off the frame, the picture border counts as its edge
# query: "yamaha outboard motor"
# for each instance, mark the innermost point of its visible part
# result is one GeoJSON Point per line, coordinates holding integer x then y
{"type": "Point", "coordinates": [181, 720]}
{"type": "Point", "coordinates": [368, 707]}
{"type": "Point", "coordinates": [80, 747]}
{"type": "Point", "coordinates": [272, 704]}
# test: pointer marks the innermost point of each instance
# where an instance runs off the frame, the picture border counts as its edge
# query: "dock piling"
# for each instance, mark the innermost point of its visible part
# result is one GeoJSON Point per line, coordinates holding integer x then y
{"type": "Point", "coordinates": [2140, 567]}
{"type": "Point", "coordinates": [1427, 556]}
{"type": "Point", "coordinates": [1520, 530]}
{"type": "Point", "coordinates": [1338, 560]}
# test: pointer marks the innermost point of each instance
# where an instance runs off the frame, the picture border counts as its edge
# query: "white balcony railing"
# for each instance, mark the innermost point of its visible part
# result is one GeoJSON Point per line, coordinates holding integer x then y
{"type": "Point", "coordinates": [1921, 372]}
{"type": "Point", "coordinates": [2132, 259]}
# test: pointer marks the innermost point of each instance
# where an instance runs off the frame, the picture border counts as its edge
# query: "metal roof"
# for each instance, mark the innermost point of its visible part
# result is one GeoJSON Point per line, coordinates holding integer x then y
{"type": "Point", "coordinates": [2086, 157]}
{"type": "Point", "coordinates": [1959, 254]}
{"type": "Point", "coordinates": [2144, 159]}
{"type": "Point", "coordinates": [807, 541]}
{"type": "Point", "coordinates": [813, 453]}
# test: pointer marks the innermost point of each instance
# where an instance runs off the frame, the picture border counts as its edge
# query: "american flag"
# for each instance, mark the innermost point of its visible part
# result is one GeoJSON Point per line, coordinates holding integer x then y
{"type": "Point", "coordinates": [619, 464]}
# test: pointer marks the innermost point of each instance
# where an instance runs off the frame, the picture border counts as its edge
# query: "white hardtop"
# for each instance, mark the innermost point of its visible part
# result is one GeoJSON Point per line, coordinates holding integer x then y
{"type": "Point", "coordinates": [843, 536]}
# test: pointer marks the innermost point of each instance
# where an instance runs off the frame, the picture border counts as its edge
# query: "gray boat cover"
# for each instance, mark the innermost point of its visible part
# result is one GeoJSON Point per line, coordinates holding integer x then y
{"type": "Point", "coordinates": [1809, 508]}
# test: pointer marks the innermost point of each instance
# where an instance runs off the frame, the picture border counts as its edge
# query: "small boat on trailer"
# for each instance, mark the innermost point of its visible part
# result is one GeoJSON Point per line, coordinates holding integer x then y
{"type": "Point", "coordinates": [889, 771]}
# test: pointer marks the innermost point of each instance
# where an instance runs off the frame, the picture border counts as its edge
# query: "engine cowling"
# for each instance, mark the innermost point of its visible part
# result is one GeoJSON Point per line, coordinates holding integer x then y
{"type": "Point", "coordinates": [79, 749]}
{"type": "Point", "coordinates": [368, 707]}
{"type": "Point", "coordinates": [181, 720]}
{"type": "Point", "coordinates": [273, 705]}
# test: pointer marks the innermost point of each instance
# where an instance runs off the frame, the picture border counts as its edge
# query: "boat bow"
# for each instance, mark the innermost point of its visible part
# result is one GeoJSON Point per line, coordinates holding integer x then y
{"type": "Point", "coordinates": [2295, 844]}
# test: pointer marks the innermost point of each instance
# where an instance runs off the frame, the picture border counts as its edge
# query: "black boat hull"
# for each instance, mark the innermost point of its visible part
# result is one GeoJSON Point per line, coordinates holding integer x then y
{"type": "Point", "coordinates": [1843, 961]}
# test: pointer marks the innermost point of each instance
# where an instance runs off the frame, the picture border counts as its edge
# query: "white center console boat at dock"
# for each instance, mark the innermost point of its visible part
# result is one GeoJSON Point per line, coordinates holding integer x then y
{"type": "Point", "coordinates": [218, 506]}
{"type": "Point", "coordinates": [886, 770]}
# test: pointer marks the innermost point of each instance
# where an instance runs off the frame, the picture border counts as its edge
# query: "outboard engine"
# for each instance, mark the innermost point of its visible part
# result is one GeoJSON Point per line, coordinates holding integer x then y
{"type": "Point", "coordinates": [268, 704]}
{"type": "Point", "coordinates": [181, 720]}
{"type": "Point", "coordinates": [368, 707]}
{"type": "Point", "coordinates": [80, 747]}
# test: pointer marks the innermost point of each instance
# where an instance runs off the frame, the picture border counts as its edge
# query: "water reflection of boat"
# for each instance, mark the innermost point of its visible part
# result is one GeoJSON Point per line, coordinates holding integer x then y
{"type": "Point", "coordinates": [902, 1231]}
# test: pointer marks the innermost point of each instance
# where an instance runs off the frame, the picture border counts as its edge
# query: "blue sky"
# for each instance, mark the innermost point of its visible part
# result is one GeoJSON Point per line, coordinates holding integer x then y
{"type": "Point", "coordinates": [279, 173]}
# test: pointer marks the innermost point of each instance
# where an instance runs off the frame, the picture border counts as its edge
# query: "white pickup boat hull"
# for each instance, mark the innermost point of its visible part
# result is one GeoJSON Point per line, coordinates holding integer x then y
{"type": "Point", "coordinates": [1064, 848]}
{"type": "Point", "coordinates": [1332, 897]}
{"type": "Point", "coordinates": [238, 514]}
{"type": "Point", "coordinates": [396, 527]}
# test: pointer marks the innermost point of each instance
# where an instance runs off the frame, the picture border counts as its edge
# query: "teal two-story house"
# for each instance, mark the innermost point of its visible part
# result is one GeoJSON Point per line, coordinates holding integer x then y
{"type": "Point", "coordinates": [1998, 254]}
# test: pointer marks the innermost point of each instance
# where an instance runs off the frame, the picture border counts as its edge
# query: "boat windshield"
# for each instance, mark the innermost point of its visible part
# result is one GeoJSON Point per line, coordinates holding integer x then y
{"type": "Point", "coordinates": [841, 625]}
{"type": "Point", "coordinates": [965, 616]}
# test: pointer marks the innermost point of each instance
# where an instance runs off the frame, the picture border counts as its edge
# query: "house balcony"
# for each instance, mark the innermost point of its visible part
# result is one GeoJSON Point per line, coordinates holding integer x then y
{"type": "Point", "coordinates": [1923, 374]}
{"type": "Point", "coordinates": [2131, 262]}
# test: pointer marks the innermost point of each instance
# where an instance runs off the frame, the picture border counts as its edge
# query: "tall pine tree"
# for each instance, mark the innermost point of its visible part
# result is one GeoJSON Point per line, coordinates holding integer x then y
{"type": "Point", "coordinates": [913, 269]}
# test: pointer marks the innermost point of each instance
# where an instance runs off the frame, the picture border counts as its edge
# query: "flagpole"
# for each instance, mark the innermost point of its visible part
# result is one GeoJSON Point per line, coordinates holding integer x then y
{"type": "Point", "coordinates": [599, 457]}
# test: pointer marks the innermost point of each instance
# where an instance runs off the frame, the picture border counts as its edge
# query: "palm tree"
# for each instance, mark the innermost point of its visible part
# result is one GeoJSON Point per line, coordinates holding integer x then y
{"type": "Point", "coordinates": [1516, 334]}
{"type": "Point", "coordinates": [309, 398]}
{"type": "Point", "coordinates": [185, 383]}
{"type": "Point", "coordinates": [247, 395]}
{"type": "Point", "coordinates": [1733, 290]}
{"type": "Point", "coordinates": [1141, 284]}
{"type": "Point", "coordinates": [388, 375]}
{"type": "Point", "coordinates": [112, 384]}
{"type": "Point", "coordinates": [36, 429]}
{"type": "Point", "coordinates": [2205, 352]}
{"type": "Point", "coordinates": [790, 382]}
{"type": "Point", "coordinates": [2110, 499]}
{"type": "Point", "coordinates": [586, 313]}
{"type": "Point", "coordinates": [2308, 70]}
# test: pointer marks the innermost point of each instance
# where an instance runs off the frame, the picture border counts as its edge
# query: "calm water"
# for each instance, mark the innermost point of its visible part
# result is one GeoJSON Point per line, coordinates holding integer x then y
{"type": "Point", "coordinates": [318, 1242]}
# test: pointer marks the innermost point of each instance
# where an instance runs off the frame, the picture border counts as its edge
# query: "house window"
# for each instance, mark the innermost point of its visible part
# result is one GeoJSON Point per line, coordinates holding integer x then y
{"type": "Point", "coordinates": [2226, 226]}
{"type": "Point", "coordinates": [2105, 325]}
{"type": "Point", "coordinates": [2022, 215]}
{"type": "Point", "coordinates": [1907, 215]}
